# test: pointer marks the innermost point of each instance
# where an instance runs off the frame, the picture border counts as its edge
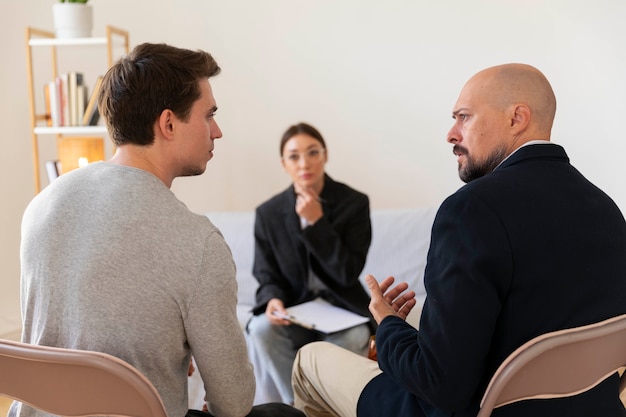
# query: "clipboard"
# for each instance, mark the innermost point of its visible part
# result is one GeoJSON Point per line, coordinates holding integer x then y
{"type": "Point", "coordinates": [322, 316]}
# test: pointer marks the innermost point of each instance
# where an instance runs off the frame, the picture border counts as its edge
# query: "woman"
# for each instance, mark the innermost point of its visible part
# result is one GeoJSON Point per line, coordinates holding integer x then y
{"type": "Point", "coordinates": [311, 240]}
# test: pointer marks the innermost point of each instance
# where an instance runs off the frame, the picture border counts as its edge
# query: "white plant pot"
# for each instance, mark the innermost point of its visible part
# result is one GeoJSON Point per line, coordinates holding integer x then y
{"type": "Point", "coordinates": [72, 20]}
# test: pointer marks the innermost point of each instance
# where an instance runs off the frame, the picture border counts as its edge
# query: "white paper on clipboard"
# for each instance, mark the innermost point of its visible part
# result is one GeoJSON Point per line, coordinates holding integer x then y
{"type": "Point", "coordinates": [324, 317]}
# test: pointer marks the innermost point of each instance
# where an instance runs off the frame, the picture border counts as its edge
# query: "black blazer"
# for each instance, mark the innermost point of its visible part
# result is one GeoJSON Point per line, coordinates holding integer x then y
{"type": "Point", "coordinates": [530, 248]}
{"type": "Point", "coordinates": [335, 247]}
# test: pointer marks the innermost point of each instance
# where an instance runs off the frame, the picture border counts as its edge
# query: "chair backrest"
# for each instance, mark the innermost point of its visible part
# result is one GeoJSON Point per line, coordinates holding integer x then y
{"type": "Point", "coordinates": [71, 382]}
{"type": "Point", "coordinates": [559, 364]}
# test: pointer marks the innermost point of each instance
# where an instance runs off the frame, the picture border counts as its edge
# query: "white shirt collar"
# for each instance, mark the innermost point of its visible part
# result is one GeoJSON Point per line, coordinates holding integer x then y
{"type": "Point", "coordinates": [531, 142]}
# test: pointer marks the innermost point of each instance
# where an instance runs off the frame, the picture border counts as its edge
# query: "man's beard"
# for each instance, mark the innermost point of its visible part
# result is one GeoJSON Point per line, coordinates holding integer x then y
{"type": "Point", "coordinates": [475, 169]}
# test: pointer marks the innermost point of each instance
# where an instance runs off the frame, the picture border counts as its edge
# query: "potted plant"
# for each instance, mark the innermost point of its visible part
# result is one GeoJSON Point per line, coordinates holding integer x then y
{"type": "Point", "coordinates": [72, 19]}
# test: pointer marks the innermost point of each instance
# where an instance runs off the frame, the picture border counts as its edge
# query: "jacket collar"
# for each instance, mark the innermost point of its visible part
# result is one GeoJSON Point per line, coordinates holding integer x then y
{"type": "Point", "coordinates": [534, 149]}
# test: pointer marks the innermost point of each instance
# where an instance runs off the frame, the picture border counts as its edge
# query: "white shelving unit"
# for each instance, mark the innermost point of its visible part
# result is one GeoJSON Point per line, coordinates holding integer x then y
{"type": "Point", "coordinates": [36, 38]}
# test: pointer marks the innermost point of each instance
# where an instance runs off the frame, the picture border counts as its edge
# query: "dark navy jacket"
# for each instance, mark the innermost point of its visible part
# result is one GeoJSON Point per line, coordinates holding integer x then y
{"type": "Point", "coordinates": [530, 248]}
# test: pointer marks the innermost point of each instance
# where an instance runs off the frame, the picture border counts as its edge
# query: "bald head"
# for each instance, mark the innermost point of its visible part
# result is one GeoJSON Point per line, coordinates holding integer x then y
{"type": "Point", "coordinates": [509, 84]}
{"type": "Point", "coordinates": [499, 109]}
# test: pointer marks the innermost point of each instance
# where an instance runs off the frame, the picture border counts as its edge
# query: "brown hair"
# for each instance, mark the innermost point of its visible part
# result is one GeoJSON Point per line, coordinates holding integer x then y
{"type": "Point", "coordinates": [303, 128]}
{"type": "Point", "coordinates": [152, 78]}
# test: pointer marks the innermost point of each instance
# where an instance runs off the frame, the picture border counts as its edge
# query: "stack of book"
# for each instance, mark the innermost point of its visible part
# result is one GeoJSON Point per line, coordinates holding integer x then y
{"type": "Point", "coordinates": [68, 102]}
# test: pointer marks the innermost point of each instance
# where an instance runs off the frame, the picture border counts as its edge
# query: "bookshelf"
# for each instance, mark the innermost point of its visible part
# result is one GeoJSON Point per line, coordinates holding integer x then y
{"type": "Point", "coordinates": [114, 42]}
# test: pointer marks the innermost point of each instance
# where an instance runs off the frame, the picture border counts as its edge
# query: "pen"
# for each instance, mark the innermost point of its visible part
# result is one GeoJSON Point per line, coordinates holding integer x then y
{"type": "Point", "coordinates": [294, 320]}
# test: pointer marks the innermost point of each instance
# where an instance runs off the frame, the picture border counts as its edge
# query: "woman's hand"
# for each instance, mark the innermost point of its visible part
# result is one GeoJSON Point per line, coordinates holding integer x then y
{"type": "Point", "coordinates": [308, 204]}
{"type": "Point", "coordinates": [191, 369]}
{"type": "Point", "coordinates": [275, 310]}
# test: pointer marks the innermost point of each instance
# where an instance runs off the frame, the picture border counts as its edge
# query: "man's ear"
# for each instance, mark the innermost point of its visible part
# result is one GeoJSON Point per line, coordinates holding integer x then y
{"type": "Point", "coordinates": [520, 118]}
{"type": "Point", "coordinates": [166, 123]}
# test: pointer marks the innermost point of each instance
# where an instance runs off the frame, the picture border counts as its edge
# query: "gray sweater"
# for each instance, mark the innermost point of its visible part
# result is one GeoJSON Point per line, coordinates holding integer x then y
{"type": "Point", "coordinates": [113, 262]}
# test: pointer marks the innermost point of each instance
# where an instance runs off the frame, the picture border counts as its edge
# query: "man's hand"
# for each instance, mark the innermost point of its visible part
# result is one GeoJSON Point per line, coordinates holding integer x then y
{"type": "Point", "coordinates": [389, 302]}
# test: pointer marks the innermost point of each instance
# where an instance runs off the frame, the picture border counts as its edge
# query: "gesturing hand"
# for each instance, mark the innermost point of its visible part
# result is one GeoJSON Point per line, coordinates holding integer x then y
{"type": "Point", "coordinates": [389, 302]}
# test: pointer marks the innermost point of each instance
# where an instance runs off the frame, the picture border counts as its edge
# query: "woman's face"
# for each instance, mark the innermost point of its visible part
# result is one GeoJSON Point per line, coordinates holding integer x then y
{"type": "Point", "coordinates": [304, 159]}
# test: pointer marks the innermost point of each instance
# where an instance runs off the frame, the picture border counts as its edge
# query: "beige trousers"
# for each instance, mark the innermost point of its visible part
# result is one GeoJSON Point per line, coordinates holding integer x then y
{"type": "Point", "coordinates": [328, 380]}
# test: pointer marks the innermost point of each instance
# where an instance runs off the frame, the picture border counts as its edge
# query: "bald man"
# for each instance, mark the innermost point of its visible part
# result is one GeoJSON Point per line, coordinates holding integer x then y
{"type": "Point", "coordinates": [526, 247]}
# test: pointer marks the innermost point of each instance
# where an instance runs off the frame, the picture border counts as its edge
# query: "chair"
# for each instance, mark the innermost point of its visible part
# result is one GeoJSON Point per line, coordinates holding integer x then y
{"type": "Point", "coordinates": [72, 382]}
{"type": "Point", "coordinates": [559, 364]}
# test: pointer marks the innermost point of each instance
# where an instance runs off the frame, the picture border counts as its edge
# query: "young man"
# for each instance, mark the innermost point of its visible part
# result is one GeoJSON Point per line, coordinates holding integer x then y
{"type": "Point", "coordinates": [528, 246]}
{"type": "Point", "coordinates": [113, 262]}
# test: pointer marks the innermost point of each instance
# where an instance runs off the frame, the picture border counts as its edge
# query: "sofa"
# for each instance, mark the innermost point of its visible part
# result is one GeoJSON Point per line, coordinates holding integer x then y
{"type": "Point", "coordinates": [400, 241]}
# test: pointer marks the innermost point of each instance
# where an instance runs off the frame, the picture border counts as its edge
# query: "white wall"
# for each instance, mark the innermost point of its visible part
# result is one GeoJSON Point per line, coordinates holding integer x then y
{"type": "Point", "coordinates": [377, 78]}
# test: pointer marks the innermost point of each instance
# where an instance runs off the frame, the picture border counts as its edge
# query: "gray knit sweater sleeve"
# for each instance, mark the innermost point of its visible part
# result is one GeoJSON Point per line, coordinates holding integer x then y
{"type": "Point", "coordinates": [214, 334]}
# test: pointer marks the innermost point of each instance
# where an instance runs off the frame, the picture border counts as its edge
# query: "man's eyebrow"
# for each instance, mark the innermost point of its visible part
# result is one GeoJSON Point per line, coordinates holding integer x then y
{"type": "Point", "coordinates": [456, 112]}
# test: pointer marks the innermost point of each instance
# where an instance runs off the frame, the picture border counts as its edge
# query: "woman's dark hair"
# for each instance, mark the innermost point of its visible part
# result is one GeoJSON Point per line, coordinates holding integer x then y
{"type": "Point", "coordinates": [152, 78]}
{"type": "Point", "coordinates": [301, 128]}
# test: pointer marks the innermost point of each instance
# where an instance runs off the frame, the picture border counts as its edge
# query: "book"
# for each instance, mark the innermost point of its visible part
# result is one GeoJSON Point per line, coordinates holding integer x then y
{"type": "Point", "coordinates": [63, 86]}
{"type": "Point", "coordinates": [81, 102]}
{"type": "Point", "coordinates": [55, 103]}
{"type": "Point", "coordinates": [74, 80]}
{"type": "Point", "coordinates": [52, 169]}
{"type": "Point", "coordinates": [322, 316]}
{"type": "Point", "coordinates": [91, 116]}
